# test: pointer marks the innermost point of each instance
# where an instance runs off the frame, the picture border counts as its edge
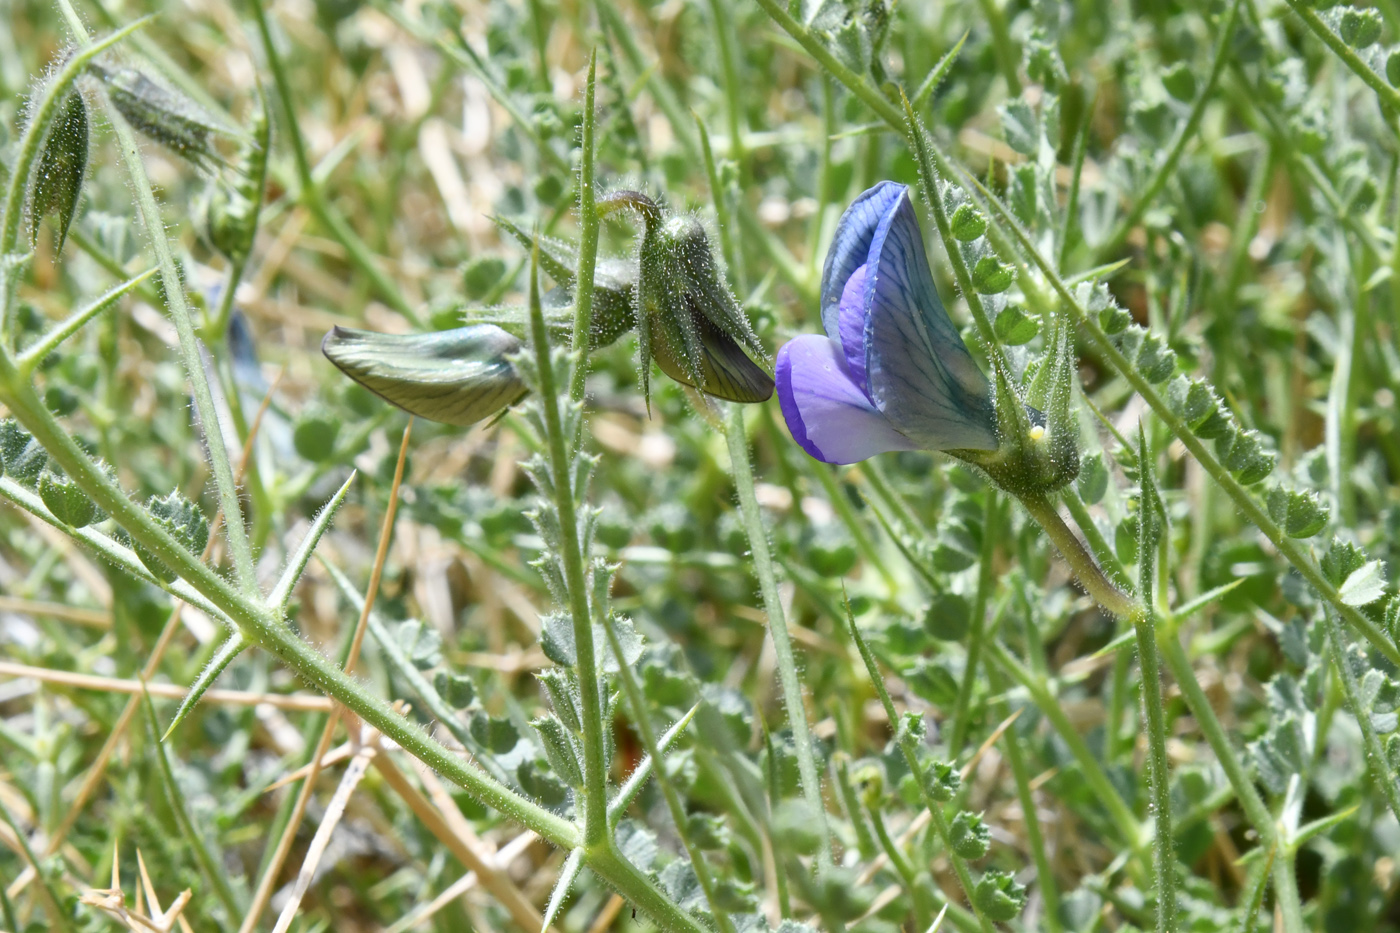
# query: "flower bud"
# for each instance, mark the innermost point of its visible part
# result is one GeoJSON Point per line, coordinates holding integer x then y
{"type": "Point", "coordinates": [163, 115]}
{"type": "Point", "coordinates": [58, 178]}
{"type": "Point", "coordinates": [452, 376]}
{"type": "Point", "coordinates": [688, 320]}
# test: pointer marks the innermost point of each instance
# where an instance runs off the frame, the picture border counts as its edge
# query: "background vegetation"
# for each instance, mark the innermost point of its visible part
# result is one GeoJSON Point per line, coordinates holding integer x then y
{"type": "Point", "coordinates": [1227, 169]}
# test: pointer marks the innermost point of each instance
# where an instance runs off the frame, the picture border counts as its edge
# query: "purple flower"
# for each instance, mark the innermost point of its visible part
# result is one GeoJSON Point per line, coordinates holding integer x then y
{"type": "Point", "coordinates": [891, 373]}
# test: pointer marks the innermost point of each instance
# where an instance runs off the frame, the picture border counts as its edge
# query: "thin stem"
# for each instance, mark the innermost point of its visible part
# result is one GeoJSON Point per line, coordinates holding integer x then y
{"type": "Point", "coordinates": [34, 354]}
{"type": "Point", "coordinates": [259, 623]}
{"type": "Point", "coordinates": [1184, 134]}
{"type": "Point", "coordinates": [1389, 96]}
{"type": "Point", "coordinates": [733, 88]}
{"type": "Point", "coordinates": [909, 747]}
{"type": "Point", "coordinates": [30, 146]}
{"type": "Point", "coordinates": [1290, 548]}
{"type": "Point", "coordinates": [1098, 545]}
{"type": "Point", "coordinates": [1086, 569]}
{"type": "Point", "coordinates": [1375, 752]}
{"type": "Point", "coordinates": [235, 531]}
{"type": "Point", "coordinates": [1164, 848]}
{"type": "Point", "coordinates": [588, 239]}
{"type": "Point", "coordinates": [1035, 840]}
{"type": "Point", "coordinates": [359, 254]}
{"type": "Point", "coordinates": [990, 515]}
{"type": "Point", "coordinates": [1002, 45]}
{"type": "Point", "coordinates": [642, 721]}
{"type": "Point", "coordinates": [595, 790]}
{"type": "Point", "coordinates": [1254, 807]}
{"type": "Point", "coordinates": [1048, 704]}
{"type": "Point", "coordinates": [777, 627]}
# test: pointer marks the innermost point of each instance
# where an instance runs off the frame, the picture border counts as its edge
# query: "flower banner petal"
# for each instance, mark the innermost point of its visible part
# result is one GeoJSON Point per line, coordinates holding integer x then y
{"type": "Point", "coordinates": [850, 247]}
{"type": "Point", "coordinates": [920, 373]}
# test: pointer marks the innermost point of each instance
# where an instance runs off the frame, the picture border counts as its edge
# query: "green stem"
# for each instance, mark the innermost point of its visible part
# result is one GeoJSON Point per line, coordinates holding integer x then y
{"type": "Point", "coordinates": [990, 515]}
{"type": "Point", "coordinates": [1086, 569]}
{"type": "Point", "coordinates": [1255, 810]}
{"type": "Point", "coordinates": [909, 747]}
{"type": "Point", "coordinates": [733, 88]}
{"type": "Point", "coordinates": [258, 623]}
{"type": "Point", "coordinates": [1035, 840]}
{"type": "Point", "coordinates": [588, 239]}
{"type": "Point", "coordinates": [1291, 550]}
{"type": "Point", "coordinates": [35, 354]}
{"type": "Point", "coordinates": [30, 146]}
{"type": "Point", "coordinates": [595, 787]}
{"type": "Point", "coordinates": [235, 531]}
{"type": "Point", "coordinates": [359, 254]}
{"type": "Point", "coordinates": [923, 916]}
{"type": "Point", "coordinates": [841, 503]}
{"type": "Point", "coordinates": [1103, 552]}
{"type": "Point", "coordinates": [641, 720]}
{"type": "Point", "coordinates": [1164, 847]}
{"type": "Point", "coordinates": [1290, 902]}
{"type": "Point", "coordinates": [1389, 96]}
{"type": "Point", "coordinates": [1124, 821]}
{"type": "Point", "coordinates": [1376, 758]}
{"type": "Point", "coordinates": [1002, 45]}
{"type": "Point", "coordinates": [777, 627]}
{"type": "Point", "coordinates": [1184, 134]}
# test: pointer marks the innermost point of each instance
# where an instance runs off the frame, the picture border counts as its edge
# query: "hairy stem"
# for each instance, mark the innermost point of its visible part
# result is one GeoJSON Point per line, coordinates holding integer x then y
{"type": "Point", "coordinates": [559, 447]}
{"type": "Point", "coordinates": [777, 627]}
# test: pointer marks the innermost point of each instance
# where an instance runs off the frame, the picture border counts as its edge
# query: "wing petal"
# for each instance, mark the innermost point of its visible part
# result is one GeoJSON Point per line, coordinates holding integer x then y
{"type": "Point", "coordinates": [827, 413]}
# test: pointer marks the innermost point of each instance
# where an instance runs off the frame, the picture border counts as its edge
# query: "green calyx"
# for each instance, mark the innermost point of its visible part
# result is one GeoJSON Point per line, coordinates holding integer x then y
{"type": "Point", "coordinates": [687, 318]}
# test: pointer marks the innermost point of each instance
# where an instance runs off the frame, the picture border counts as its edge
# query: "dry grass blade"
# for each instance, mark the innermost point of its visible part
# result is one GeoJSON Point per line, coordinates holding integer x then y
{"type": "Point", "coordinates": [462, 885]}
{"type": "Point", "coordinates": [442, 818]}
{"type": "Point", "coordinates": [284, 845]}
{"type": "Point", "coordinates": [92, 618]}
{"type": "Point", "coordinates": [334, 811]}
{"type": "Point", "coordinates": [303, 702]}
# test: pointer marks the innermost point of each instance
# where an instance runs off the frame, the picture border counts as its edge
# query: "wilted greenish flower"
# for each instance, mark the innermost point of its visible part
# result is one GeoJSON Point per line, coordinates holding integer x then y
{"type": "Point", "coordinates": [688, 320]}
{"type": "Point", "coordinates": [229, 207]}
{"type": "Point", "coordinates": [161, 114]}
{"type": "Point", "coordinates": [464, 375]}
{"type": "Point", "coordinates": [455, 376]}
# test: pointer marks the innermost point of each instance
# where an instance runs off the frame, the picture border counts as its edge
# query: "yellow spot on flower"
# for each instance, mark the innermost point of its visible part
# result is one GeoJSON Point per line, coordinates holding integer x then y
{"type": "Point", "coordinates": [1037, 432]}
